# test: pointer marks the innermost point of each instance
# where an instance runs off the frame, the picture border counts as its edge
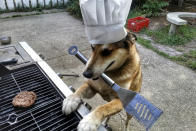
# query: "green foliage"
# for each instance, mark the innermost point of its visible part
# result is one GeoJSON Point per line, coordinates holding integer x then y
{"type": "Point", "coordinates": [193, 53]}
{"type": "Point", "coordinates": [134, 13]}
{"type": "Point", "coordinates": [154, 7]}
{"type": "Point", "coordinates": [73, 7]}
{"type": "Point", "coordinates": [183, 35]}
{"type": "Point", "coordinates": [191, 64]}
{"type": "Point", "coordinates": [1, 11]}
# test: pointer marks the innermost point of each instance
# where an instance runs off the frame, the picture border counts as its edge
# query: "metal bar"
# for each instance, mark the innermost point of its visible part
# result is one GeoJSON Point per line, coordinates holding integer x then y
{"type": "Point", "coordinates": [29, 126]}
{"type": "Point", "coordinates": [60, 126]}
{"type": "Point", "coordinates": [54, 119]}
{"type": "Point", "coordinates": [45, 98]}
{"type": "Point", "coordinates": [31, 82]}
{"type": "Point", "coordinates": [45, 118]}
{"type": "Point", "coordinates": [42, 89]}
{"type": "Point", "coordinates": [16, 82]}
{"type": "Point", "coordinates": [35, 122]}
{"type": "Point", "coordinates": [27, 74]}
{"type": "Point", "coordinates": [71, 125]}
{"type": "Point", "coordinates": [5, 82]}
{"type": "Point", "coordinates": [20, 76]}
{"type": "Point", "coordinates": [22, 124]}
{"type": "Point", "coordinates": [26, 70]}
{"type": "Point", "coordinates": [38, 107]}
{"type": "Point", "coordinates": [44, 110]}
{"type": "Point", "coordinates": [35, 88]}
{"type": "Point", "coordinates": [26, 80]}
{"type": "Point", "coordinates": [50, 126]}
{"type": "Point", "coordinates": [7, 89]}
{"type": "Point", "coordinates": [5, 100]}
{"type": "Point", "coordinates": [10, 125]}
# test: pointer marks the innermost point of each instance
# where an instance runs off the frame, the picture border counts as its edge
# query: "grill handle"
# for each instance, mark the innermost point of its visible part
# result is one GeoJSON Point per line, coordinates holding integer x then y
{"type": "Point", "coordinates": [73, 50]}
{"type": "Point", "coordinates": [9, 62]}
{"type": "Point", "coordinates": [3, 70]}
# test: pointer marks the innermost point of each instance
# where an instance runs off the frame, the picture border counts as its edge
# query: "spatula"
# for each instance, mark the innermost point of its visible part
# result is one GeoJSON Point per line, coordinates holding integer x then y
{"type": "Point", "coordinates": [134, 104]}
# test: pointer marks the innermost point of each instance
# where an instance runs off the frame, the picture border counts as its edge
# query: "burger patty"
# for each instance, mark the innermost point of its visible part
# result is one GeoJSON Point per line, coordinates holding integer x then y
{"type": "Point", "coordinates": [24, 99]}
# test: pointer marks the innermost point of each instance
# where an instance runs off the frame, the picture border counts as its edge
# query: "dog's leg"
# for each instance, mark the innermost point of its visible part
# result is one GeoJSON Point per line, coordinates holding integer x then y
{"type": "Point", "coordinates": [127, 121]}
{"type": "Point", "coordinates": [72, 102]}
{"type": "Point", "coordinates": [91, 121]}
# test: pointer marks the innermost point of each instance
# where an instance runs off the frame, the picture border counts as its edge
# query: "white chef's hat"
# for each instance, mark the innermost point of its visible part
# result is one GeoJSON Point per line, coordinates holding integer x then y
{"type": "Point", "coordinates": [105, 19]}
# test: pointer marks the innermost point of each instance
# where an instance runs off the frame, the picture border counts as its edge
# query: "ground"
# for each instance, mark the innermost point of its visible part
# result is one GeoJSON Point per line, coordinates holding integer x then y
{"type": "Point", "coordinates": [166, 84]}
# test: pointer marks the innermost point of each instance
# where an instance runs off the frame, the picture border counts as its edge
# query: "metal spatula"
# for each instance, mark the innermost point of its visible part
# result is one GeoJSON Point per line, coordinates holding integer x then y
{"type": "Point", "coordinates": [135, 104]}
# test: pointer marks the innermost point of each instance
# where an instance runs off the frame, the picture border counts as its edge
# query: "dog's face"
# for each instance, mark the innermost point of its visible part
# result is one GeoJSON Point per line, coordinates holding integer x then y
{"type": "Point", "coordinates": [108, 57]}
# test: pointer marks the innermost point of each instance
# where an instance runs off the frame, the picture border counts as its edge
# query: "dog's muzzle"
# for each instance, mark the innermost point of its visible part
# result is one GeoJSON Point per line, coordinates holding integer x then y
{"type": "Point", "coordinates": [88, 73]}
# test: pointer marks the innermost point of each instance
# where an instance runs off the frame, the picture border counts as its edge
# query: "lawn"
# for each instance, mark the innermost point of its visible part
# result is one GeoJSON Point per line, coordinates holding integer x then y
{"type": "Point", "coordinates": [187, 59]}
{"type": "Point", "coordinates": [183, 35]}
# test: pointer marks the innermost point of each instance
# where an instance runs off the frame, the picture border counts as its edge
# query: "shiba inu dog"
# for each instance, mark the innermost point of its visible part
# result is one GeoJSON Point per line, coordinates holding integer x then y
{"type": "Point", "coordinates": [121, 62]}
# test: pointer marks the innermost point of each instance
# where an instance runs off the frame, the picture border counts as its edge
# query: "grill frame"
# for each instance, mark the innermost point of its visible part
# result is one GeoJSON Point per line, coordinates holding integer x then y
{"type": "Point", "coordinates": [53, 78]}
{"type": "Point", "coordinates": [16, 85]}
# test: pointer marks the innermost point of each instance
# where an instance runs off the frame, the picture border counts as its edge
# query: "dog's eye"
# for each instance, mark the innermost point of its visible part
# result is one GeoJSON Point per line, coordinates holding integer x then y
{"type": "Point", "coordinates": [106, 52]}
{"type": "Point", "coordinates": [92, 47]}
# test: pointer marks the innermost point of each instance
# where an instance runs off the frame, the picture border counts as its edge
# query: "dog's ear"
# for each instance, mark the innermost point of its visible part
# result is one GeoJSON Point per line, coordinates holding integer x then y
{"type": "Point", "coordinates": [134, 37]}
{"type": "Point", "coordinates": [129, 40]}
{"type": "Point", "coordinates": [131, 37]}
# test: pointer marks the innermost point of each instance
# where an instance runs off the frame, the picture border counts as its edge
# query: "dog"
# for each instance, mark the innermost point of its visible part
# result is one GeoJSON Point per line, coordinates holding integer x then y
{"type": "Point", "coordinates": [121, 62]}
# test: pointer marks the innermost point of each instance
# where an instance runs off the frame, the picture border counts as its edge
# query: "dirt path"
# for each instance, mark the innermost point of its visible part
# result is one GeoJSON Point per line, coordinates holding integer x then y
{"type": "Point", "coordinates": [168, 85]}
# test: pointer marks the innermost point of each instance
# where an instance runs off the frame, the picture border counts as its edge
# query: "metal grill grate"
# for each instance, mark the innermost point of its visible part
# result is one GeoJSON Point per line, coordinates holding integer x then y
{"type": "Point", "coordinates": [45, 114]}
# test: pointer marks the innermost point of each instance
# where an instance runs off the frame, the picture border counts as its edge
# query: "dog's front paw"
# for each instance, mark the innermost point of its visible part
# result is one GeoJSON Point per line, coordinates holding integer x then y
{"type": "Point", "coordinates": [89, 123]}
{"type": "Point", "coordinates": [70, 104]}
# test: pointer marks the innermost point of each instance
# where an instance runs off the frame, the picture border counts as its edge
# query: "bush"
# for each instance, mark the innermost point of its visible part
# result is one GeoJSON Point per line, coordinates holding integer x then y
{"type": "Point", "coordinates": [73, 7]}
{"type": "Point", "coordinates": [154, 7]}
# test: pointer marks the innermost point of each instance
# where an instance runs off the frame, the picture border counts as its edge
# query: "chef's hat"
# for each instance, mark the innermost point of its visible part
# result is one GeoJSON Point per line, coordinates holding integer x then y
{"type": "Point", "coordinates": [105, 19]}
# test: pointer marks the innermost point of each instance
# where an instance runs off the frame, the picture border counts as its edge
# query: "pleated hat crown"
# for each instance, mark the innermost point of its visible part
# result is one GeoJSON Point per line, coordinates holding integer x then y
{"type": "Point", "coordinates": [105, 20]}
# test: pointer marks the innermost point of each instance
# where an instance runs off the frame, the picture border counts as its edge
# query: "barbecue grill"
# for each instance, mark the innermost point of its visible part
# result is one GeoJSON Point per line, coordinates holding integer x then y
{"type": "Point", "coordinates": [46, 113]}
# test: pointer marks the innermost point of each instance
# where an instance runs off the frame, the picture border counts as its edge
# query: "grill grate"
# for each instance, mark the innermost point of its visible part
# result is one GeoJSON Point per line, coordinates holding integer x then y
{"type": "Point", "coordinates": [44, 115]}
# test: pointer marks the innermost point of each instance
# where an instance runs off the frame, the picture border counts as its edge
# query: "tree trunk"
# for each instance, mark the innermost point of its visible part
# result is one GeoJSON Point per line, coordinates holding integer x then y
{"type": "Point", "coordinates": [22, 4]}
{"type": "Point", "coordinates": [180, 2]}
{"type": "Point", "coordinates": [44, 3]}
{"type": "Point", "coordinates": [30, 5]}
{"type": "Point", "coordinates": [14, 4]}
{"type": "Point", "coordinates": [37, 3]}
{"type": "Point", "coordinates": [6, 5]}
{"type": "Point", "coordinates": [51, 3]}
{"type": "Point", "coordinates": [57, 3]}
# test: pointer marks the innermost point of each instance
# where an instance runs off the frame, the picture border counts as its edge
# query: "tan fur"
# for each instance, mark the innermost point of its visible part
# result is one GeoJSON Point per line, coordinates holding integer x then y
{"type": "Point", "coordinates": [126, 72]}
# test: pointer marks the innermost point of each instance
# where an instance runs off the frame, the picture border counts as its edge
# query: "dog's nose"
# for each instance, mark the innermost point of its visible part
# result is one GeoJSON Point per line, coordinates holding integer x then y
{"type": "Point", "coordinates": [88, 73]}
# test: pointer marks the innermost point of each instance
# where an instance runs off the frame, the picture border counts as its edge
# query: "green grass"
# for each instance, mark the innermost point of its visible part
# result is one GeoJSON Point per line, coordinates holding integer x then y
{"type": "Point", "coordinates": [147, 44]}
{"type": "Point", "coordinates": [188, 59]}
{"type": "Point", "coordinates": [73, 7]}
{"type": "Point", "coordinates": [193, 53]}
{"type": "Point", "coordinates": [183, 35]}
{"type": "Point", "coordinates": [134, 13]}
